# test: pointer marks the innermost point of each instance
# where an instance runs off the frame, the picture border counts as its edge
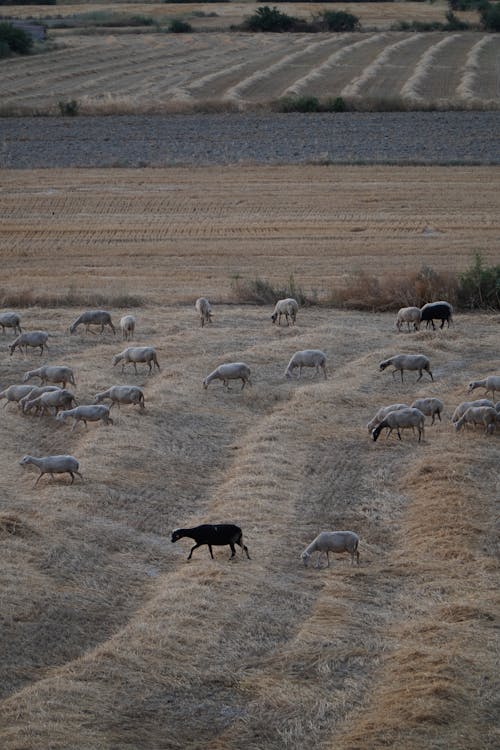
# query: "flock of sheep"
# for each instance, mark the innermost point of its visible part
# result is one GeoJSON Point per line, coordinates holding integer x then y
{"type": "Point", "coordinates": [52, 397]}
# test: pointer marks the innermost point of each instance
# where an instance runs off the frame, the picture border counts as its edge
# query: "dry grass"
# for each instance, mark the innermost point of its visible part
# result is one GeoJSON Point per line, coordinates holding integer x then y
{"type": "Point", "coordinates": [110, 639]}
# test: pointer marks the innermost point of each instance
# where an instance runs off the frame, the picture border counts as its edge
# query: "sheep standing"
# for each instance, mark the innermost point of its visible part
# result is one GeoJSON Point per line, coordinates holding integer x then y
{"type": "Point", "coordinates": [122, 394]}
{"type": "Point", "coordinates": [462, 408]}
{"type": "Point", "coordinates": [48, 400]}
{"type": "Point", "coordinates": [86, 413]}
{"type": "Point", "coordinates": [14, 393]}
{"type": "Point", "coordinates": [51, 374]}
{"type": "Point", "coordinates": [403, 362]}
{"type": "Point", "coordinates": [229, 371]}
{"type": "Point", "coordinates": [306, 358]}
{"type": "Point", "coordinates": [53, 465]}
{"type": "Point", "coordinates": [431, 407]}
{"type": "Point", "coordinates": [127, 326]}
{"type": "Point", "coordinates": [332, 541]}
{"type": "Point", "coordinates": [409, 315]}
{"type": "Point", "coordinates": [382, 413]}
{"type": "Point", "coordinates": [477, 415]}
{"type": "Point", "coordinates": [441, 310]}
{"type": "Point", "coordinates": [213, 535]}
{"type": "Point", "coordinates": [397, 420]}
{"type": "Point", "coordinates": [287, 307]}
{"type": "Point", "coordinates": [10, 320]}
{"type": "Point", "coordinates": [34, 339]}
{"type": "Point", "coordinates": [35, 392]}
{"type": "Point", "coordinates": [491, 384]}
{"type": "Point", "coordinates": [136, 354]}
{"type": "Point", "coordinates": [204, 310]}
{"type": "Point", "coordinates": [93, 318]}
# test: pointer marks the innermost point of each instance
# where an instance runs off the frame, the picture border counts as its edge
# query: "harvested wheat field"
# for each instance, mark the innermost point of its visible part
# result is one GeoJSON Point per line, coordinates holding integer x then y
{"type": "Point", "coordinates": [111, 640]}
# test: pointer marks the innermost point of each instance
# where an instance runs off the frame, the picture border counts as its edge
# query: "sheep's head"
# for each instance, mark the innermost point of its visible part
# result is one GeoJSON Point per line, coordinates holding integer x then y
{"type": "Point", "coordinates": [205, 384]}
{"type": "Point", "coordinates": [98, 398]}
{"type": "Point", "coordinates": [12, 348]}
{"type": "Point", "coordinates": [273, 317]}
{"type": "Point", "coordinates": [25, 460]}
{"type": "Point", "coordinates": [384, 364]}
{"type": "Point", "coordinates": [376, 432]}
{"type": "Point", "coordinates": [471, 386]}
{"type": "Point", "coordinates": [305, 558]}
{"type": "Point", "coordinates": [116, 359]}
{"type": "Point", "coordinates": [175, 535]}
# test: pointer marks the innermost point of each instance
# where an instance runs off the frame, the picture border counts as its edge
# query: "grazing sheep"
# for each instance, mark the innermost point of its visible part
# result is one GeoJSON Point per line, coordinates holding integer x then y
{"type": "Point", "coordinates": [204, 310]}
{"type": "Point", "coordinates": [462, 408]}
{"type": "Point", "coordinates": [287, 307]}
{"type": "Point", "coordinates": [403, 362]}
{"type": "Point", "coordinates": [497, 406]}
{"type": "Point", "coordinates": [491, 384]}
{"type": "Point", "coordinates": [14, 393]}
{"type": "Point", "coordinates": [409, 315]}
{"type": "Point", "coordinates": [441, 310]}
{"type": "Point", "coordinates": [229, 371]}
{"type": "Point", "coordinates": [34, 392]}
{"type": "Point", "coordinates": [136, 354]}
{"type": "Point", "coordinates": [57, 399]}
{"type": "Point", "coordinates": [87, 413]}
{"type": "Point", "coordinates": [53, 465]}
{"type": "Point", "coordinates": [35, 339]}
{"type": "Point", "coordinates": [127, 325]}
{"type": "Point", "coordinates": [93, 318]}
{"type": "Point", "coordinates": [51, 374]}
{"type": "Point", "coordinates": [332, 541]}
{"type": "Point", "coordinates": [122, 394]}
{"type": "Point", "coordinates": [397, 420]}
{"type": "Point", "coordinates": [10, 320]}
{"type": "Point", "coordinates": [430, 407]}
{"type": "Point", "coordinates": [485, 415]}
{"type": "Point", "coordinates": [307, 358]}
{"type": "Point", "coordinates": [383, 412]}
{"type": "Point", "coordinates": [213, 535]}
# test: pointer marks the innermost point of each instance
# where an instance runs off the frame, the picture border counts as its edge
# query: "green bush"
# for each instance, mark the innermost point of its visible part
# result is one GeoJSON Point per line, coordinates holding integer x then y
{"type": "Point", "coordinates": [270, 19]}
{"type": "Point", "coordinates": [339, 20]}
{"type": "Point", "coordinates": [490, 16]}
{"type": "Point", "coordinates": [299, 104]}
{"type": "Point", "coordinates": [177, 26]}
{"type": "Point", "coordinates": [479, 286]}
{"type": "Point", "coordinates": [17, 40]}
{"type": "Point", "coordinates": [69, 108]}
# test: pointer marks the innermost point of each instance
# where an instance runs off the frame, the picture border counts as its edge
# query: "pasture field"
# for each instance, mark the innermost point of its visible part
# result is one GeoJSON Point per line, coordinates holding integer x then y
{"type": "Point", "coordinates": [110, 640]}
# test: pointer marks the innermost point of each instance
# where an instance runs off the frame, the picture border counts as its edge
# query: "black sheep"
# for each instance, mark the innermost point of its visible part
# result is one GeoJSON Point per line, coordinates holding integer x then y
{"type": "Point", "coordinates": [213, 535]}
{"type": "Point", "coordinates": [442, 311]}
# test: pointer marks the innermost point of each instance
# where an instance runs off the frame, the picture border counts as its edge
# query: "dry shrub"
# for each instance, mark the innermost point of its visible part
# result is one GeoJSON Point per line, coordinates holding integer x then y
{"type": "Point", "coordinates": [70, 298]}
{"type": "Point", "coordinates": [264, 292]}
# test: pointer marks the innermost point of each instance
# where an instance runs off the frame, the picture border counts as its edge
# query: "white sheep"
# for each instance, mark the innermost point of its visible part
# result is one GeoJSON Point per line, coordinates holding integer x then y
{"type": "Point", "coordinates": [53, 465]}
{"type": "Point", "coordinates": [287, 307]}
{"type": "Point", "coordinates": [86, 413]}
{"type": "Point", "coordinates": [10, 320]}
{"type": "Point", "coordinates": [491, 384]}
{"type": "Point", "coordinates": [93, 318]}
{"type": "Point", "coordinates": [35, 339]}
{"type": "Point", "coordinates": [383, 412]}
{"type": "Point", "coordinates": [332, 541]}
{"type": "Point", "coordinates": [136, 354]}
{"type": "Point", "coordinates": [204, 310]}
{"type": "Point", "coordinates": [431, 407]}
{"type": "Point", "coordinates": [229, 371]}
{"type": "Point", "coordinates": [307, 358]}
{"type": "Point", "coordinates": [48, 400]}
{"type": "Point", "coordinates": [14, 393]}
{"type": "Point", "coordinates": [51, 374]}
{"type": "Point", "coordinates": [462, 408]}
{"type": "Point", "coordinates": [404, 362]}
{"type": "Point", "coordinates": [409, 315]}
{"type": "Point", "coordinates": [485, 415]}
{"type": "Point", "coordinates": [127, 326]}
{"type": "Point", "coordinates": [35, 392]}
{"type": "Point", "coordinates": [122, 394]}
{"type": "Point", "coordinates": [397, 420]}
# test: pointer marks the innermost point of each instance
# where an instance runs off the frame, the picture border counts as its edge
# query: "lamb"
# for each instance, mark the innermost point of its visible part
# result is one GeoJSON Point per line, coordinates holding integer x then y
{"type": "Point", "coordinates": [485, 415]}
{"type": "Point", "coordinates": [213, 535]}
{"type": "Point", "coordinates": [441, 310]}
{"type": "Point", "coordinates": [58, 399]}
{"type": "Point", "coordinates": [287, 307]}
{"type": "Point", "coordinates": [229, 371]}
{"type": "Point", "coordinates": [15, 393]}
{"type": "Point", "coordinates": [409, 315]}
{"type": "Point", "coordinates": [204, 310]}
{"type": "Point", "coordinates": [35, 339]}
{"type": "Point", "coordinates": [307, 358]}
{"type": "Point", "coordinates": [122, 394]}
{"type": "Point", "coordinates": [51, 374]}
{"type": "Point", "coordinates": [10, 320]}
{"type": "Point", "coordinates": [87, 413]}
{"type": "Point", "coordinates": [332, 541]}
{"type": "Point", "coordinates": [127, 325]}
{"type": "Point", "coordinates": [34, 392]}
{"type": "Point", "coordinates": [383, 412]}
{"type": "Point", "coordinates": [93, 318]}
{"type": "Point", "coordinates": [53, 465]}
{"type": "Point", "coordinates": [136, 354]}
{"type": "Point", "coordinates": [430, 407]}
{"type": "Point", "coordinates": [400, 419]}
{"type": "Point", "coordinates": [462, 408]}
{"type": "Point", "coordinates": [491, 384]}
{"type": "Point", "coordinates": [403, 362]}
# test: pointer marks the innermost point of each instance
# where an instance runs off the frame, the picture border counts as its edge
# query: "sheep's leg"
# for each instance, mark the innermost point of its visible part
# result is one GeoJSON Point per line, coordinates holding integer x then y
{"type": "Point", "coordinates": [72, 477]}
{"type": "Point", "coordinates": [430, 373]}
{"type": "Point", "coordinates": [39, 477]}
{"type": "Point", "coordinates": [420, 375]}
{"type": "Point", "coordinates": [80, 475]}
{"type": "Point", "coordinates": [233, 550]}
{"type": "Point", "coordinates": [243, 381]}
{"type": "Point", "coordinates": [324, 371]}
{"type": "Point", "coordinates": [327, 559]}
{"type": "Point", "coordinates": [402, 375]}
{"type": "Point", "coordinates": [193, 549]}
{"type": "Point", "coordinates": [399, 434]}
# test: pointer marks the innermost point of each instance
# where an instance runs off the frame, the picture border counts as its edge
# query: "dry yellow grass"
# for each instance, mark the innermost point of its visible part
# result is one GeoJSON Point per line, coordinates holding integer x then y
{"type": "Point", "coordinates": [109, 638]}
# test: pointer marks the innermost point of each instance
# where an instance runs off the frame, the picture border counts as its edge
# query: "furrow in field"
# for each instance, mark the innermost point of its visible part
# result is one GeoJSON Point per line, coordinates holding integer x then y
{"type": "Point", "coordinates": [447, 68]}
{"type": "Point", "coordinates": [419, 85]}
{"type": "Point", "coordinates": [480, 75]}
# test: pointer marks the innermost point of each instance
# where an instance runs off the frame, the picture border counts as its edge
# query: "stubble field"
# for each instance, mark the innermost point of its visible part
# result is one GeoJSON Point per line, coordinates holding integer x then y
{"type": "Point", "coordinates": [110, 639]}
